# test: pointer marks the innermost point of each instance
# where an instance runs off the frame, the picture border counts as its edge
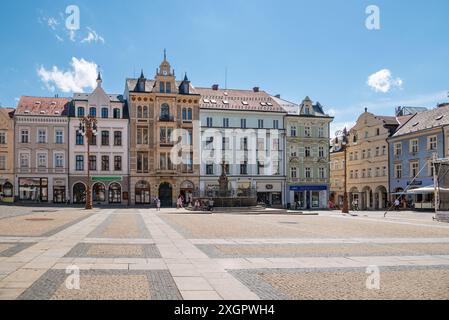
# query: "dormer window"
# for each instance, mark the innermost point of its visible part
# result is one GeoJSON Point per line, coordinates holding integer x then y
{"type": "Point", "coordinates": [307, 110]}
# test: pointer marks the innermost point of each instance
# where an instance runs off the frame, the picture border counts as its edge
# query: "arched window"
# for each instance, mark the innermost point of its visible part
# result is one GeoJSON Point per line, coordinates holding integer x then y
{"type": "Point", "coordinates": [145, 112]}
{"type": "Point", "coordinates": [99, 193]}
{"type": "Point", "coordinates": [80, 112]}
{"type": "Point", "coordinates": [93, 112]}
{"type": "Point", "coordinates": [139, 112]}
{"type": "Point", "coordinates": [142, 192]}
{"type": "Point", "coordinates": [117, 113]}
{"type": "Point", "coordinates": [79, 193]}
{"type": "Point", "coordinates": [165, 112]}
{"type": "Point", "coordinates": [115, 193]}
{"type": "Point", "coordinates": [104, 113]}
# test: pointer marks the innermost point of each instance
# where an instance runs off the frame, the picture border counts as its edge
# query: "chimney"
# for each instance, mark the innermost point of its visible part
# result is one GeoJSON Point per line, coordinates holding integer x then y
{"type": "Point", "coordinates": [215, 87]}
{"type": "Point", "coordinates": [256, 89]}
{"type": "Point", "coordinates": [277, 96]}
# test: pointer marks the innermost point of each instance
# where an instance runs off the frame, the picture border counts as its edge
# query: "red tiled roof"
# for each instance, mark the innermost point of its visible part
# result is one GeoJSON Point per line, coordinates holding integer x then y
{"type": "Point", "coordinates": [42, 106]}
{"type": "Point", "coordinates": [8, 111]}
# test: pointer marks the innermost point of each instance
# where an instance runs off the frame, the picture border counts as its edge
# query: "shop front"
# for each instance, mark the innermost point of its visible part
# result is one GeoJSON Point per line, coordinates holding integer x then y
{"type": "Point", "coordinates": [308, 197]}
{"type": "Point", "coordinates": [269, 193]}
{"type": "Point", "coordinates": [59, 191]}
{"type": "Point", "coordinates": [33, 189]}
{"type": "Point", "coordinates": [6, 191]}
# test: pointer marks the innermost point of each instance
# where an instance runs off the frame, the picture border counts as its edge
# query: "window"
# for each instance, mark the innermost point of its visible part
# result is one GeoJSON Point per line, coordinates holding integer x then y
{"type": "Point", "coordinates": [116, 113]}
{"type": "Point", "coordinates": [225, 143]}
{"type": "Point", "coordinates": [356, 174]}
{"type": "Point", "coordinates": [351, 156]}
{"type": "Point", "coordinates": [244, 143]}
{"type": "Point", "coordinates": [2, 137]}
{"type": "Point", "coordinates": [322, 173]}
{"type": "Point", "coordinates": [369, 172]}
{"type": "Point", "coordinates": [209, 143]}
{"type": "Point", "coordinates": [377, 151]}
{"type": "Point", "coordinates": [377, 172]}
{"type": "Point", "coordinates": [117, 163]}
{"type": "Point", "coordinates": [79, 162]}
{"type": "Point", "coordinates": [321, 132]}
{"type": "Point", "coordinates": [414, 146]}
{"type": "Point", "coordinates": [244, 167]}
{"type": "Point", "coordinates": [369, 153]}
{"type": "Point", "coordinates": [2, 162]}
{"type": "Point", "coordinates": [145, 112]}
{"type": "Point", "coordinates": [168, 87]}
{"type": "Point", "coordinates": [356, 155]}
{"type": "Point", "coordinates": [308, 173]}
{"type": "Point", "coordinates": [243, 123]}
{"type": "Point", "coordinates": [93, 163]}
{"type": "Point", "coordinates": [384, 150]}
{"type": "Point", "coordinates": [209, 122]}
{"type": "Point", "coordinates": [79, 140]}
{"type": "Point", "coordinates": [161, 87]}
{"type": "Point", "coordinates": [42, 136]}
{"type": "Point", "coordinates": [117, 138]}
{"type": "Point", "coordinates": [307, 110]}
{"type": "Point", "coordinates": [59, 160]}
{"type": "Point", "coordinates": [363, 173]}
{"type": "Point", "coordinates": [104, 138]}
{"type": "Point", "coordinates": [165, 135]}
{"type": "Point", "coordinates": [80, 112]}
{"type": "Point", "coordinates": [430, 168]}
{"type": "Point", "coordinates": [104, 163]}
{"type": "Point", "coordinates": [294, 172]}
{"type": "Point", "coordinates": [307, 131]}
{"type": "Point", "coordinates": [42, 160]}
{"type": "Point", "coordinates": [225, 122]}
{"type": "Point", "coordinates": [209, 169]}
{"type": "Point", "coordinates": [293, 152]}
{"type": "Point", "coordinates": [307, 152]}
{"type": "Point", "coordinates": [93, 112]}
{"type": "Point", "coordinates": [366, 134]}
{"type": "Point", "coordinates": [260, 124]}
{"type": "Point", "coordinates": [142, 136]}
{"type": "Point", "coordinates": [384, 171]}
{"type": "Point", "coordinates": [398, 171]}
{"type": "Point", "coordinates": [139, 112]}
{"type": "Point", "coordinates": [187, 114]}
{"type": "Point", "coordinates": [432, 143]}
{"type": "Point", "coordinates": [142, 162]}
{"type": "Point", "coordinates": [93, 140]}
{"type": "Point", "coordinates": [59, 136]}
{"type": "Point", "coordinates": [104, 113]}
{"type": "Point", "coordinates": [414, 168]}
{"type": "Point", "coordinates": [293, 131]}
{"type": "Point", "coordinates": [165, 112]}
{"type": "Point", "coordinates": [165, 161]}
{"type": "Point", "coordinates": [351, 174]}
{"type": "Point", "coordinates": [363, 154]}
{"type": "Point", "coordinates": [260, 167]}
{"type": "Point", "coordinates": [24, 160]}
{"type": "Point", "coordinates": [398, 149]}
{"type": "Point", "coordinates": [275, 124]}
{"type": "Point", "coordinates": [321, 152]}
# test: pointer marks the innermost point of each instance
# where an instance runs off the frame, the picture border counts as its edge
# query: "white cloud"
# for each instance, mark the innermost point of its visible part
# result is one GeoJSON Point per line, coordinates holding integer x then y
{"type": "Point", "coordinates": [81, 75]}
{"type": "Point", "coordinates": [52, 23]}
{"type": "Point", "coordinates": [338, 126]}
{"type": "Point", "coordinates": [92, 36]}
{"type": "Point", "coordinates": [383, 81]}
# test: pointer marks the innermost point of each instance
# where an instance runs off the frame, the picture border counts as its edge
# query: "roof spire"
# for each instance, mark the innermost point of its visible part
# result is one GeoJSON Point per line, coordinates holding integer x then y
{"type": "Point", "coordinates": [185, 77]}
{"type": "Point", "coordinates": [141, 74]}
{"type": "Point", "coordinates": [165, 54]}
{"type": "Point", "coordinates": [99, 80]}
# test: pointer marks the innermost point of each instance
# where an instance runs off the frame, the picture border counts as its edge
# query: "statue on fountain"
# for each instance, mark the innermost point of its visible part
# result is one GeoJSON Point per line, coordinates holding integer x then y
{"type": "Point", "coordinates": [223, 181]}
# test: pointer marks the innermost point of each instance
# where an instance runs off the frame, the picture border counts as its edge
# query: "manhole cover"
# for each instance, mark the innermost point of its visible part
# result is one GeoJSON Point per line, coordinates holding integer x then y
{"type": "Point", "coordinates": [39, 219]}
{"type": "Point", "coordinates": [288, 222]}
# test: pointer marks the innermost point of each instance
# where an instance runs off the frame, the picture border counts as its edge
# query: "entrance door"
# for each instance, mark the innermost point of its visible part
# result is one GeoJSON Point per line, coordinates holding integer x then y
{"type": "Point", "coordinates": [166, 195]}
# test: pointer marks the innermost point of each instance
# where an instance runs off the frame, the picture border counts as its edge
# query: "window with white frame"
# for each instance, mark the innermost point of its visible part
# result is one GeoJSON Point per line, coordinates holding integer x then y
{"type": "Point", "coordinates": [275, 124]}
{"type": "Point", "coordinates": [307, 131]}
{"type": "Point", "coordinates": [59, 136]}
{"type": "Point", "coordinates": [308, 173]}
{"type": "Point", "coordinates": [41, 135]}
{"type": "Point", "coordinates": [294, 172]}
{"type": "Point", "coordinates": [432, 143]}
{"type": "Point", "coordinates": [398, 149]}
{"type": "Point", "coordinates": [42, 160]}
{"type": "Point", "coordinates": [321, 132]}
{"type": "Point", "coordinates": [24, 159]}
{"type": "Point", "coordinates": [322, 173]}
{"type": "Point", "coordinates": [59, 160]}
{"type": "Point", "coordinates": [225, 122]}
{"type": "Point", "coordinates": [414, 146]}
{"type": "Point", "coordinates": [321, 152]}
{"type": "Point", "coordinates": [2, 162]}
{"type": "Point", "coordinates": [398, 170]}
{"type": "Point", "coordinates": [293, 131]}
{"type": "Point", "coordinates": [308, 152]}
{"type": "Point", "coordinates": [414, 168]}
{"type": "Point", "coordinates": [430, 168]}
{"type": "Point", "coordinates": [24, 136]}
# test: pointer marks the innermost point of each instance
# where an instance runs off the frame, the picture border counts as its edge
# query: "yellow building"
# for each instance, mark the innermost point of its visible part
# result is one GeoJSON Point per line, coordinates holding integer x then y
{"type": "Point", "coordinates": [337, 176]}
{"type": "Point", "coordinates": [6, 155]}
{"type": "Point", "coordinates": [367, 161]}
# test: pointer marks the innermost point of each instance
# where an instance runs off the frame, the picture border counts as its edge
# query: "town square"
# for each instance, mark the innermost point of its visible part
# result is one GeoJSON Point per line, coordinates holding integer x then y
{"type": "Point", "coordinates": [244, 151]}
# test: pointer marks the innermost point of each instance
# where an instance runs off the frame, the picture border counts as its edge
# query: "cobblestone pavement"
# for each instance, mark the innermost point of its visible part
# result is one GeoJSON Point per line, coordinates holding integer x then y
{"type": "Point", "coordinates": [142, 254]}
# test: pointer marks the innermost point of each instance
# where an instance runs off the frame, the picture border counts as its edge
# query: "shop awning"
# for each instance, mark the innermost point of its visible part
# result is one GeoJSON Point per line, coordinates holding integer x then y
{"type": "Point", "coordinates": [426, 190]}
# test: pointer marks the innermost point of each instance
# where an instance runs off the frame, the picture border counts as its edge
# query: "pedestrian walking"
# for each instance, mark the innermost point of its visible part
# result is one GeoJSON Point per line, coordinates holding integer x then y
{"type": "Point", "coordinates": [397, 204]}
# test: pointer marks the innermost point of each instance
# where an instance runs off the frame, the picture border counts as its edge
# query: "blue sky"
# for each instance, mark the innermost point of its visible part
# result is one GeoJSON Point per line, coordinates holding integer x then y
{"type": "Point", "coordinates": [294, 48]}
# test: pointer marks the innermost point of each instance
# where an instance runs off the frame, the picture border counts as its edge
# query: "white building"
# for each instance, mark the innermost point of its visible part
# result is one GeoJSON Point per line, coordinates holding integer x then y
{"type": "Point", "coordinates": [244, 130]}
{"type": "Point", "coordinates": [108, 160]}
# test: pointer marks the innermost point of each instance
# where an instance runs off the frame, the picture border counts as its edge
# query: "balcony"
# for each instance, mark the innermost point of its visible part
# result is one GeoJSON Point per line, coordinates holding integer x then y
{"type": "Point", "coordinates": [167, 118]}
{"type": "Point", "coordinates": [166, 143]}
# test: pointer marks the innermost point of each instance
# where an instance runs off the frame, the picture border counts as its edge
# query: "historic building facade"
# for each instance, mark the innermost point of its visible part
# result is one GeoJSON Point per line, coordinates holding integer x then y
{"type": "Point", "coordinates": [41, 149]}
{"type": "Point", "coordinates": [337, 175]}
{"type": "Point", "coordinates": [243, 132]}
{"type": "Point", "coordinates": [412, 149]}
{"type": "Point", "coordinates": [6, 154]}
{"type": "Point", "coordinates": [307, 154]}
{"type": "Point", "coordinates": [163, 116]}
{"type": "Point", "coordinates": [108, 160]}
{"type": "Point", "coordinates": [367, 163]}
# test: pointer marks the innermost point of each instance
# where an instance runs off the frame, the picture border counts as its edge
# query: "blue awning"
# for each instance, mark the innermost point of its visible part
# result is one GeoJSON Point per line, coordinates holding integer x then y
{"type": "Point", "coordinates": [308, 188]}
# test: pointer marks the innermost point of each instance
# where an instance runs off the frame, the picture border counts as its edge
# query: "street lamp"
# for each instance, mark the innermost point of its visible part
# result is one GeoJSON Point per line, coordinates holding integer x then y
{"type": "Point", "coordinates": [88, 129]}
{"type": "Point", "coordinates": [344, 142]}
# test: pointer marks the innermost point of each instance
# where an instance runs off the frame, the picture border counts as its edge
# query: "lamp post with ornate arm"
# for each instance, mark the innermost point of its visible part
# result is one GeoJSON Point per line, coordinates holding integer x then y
{"type": "Point", "coordinates": [343, 135]}
{"type": "Point", "coordinates": [88, 129]}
